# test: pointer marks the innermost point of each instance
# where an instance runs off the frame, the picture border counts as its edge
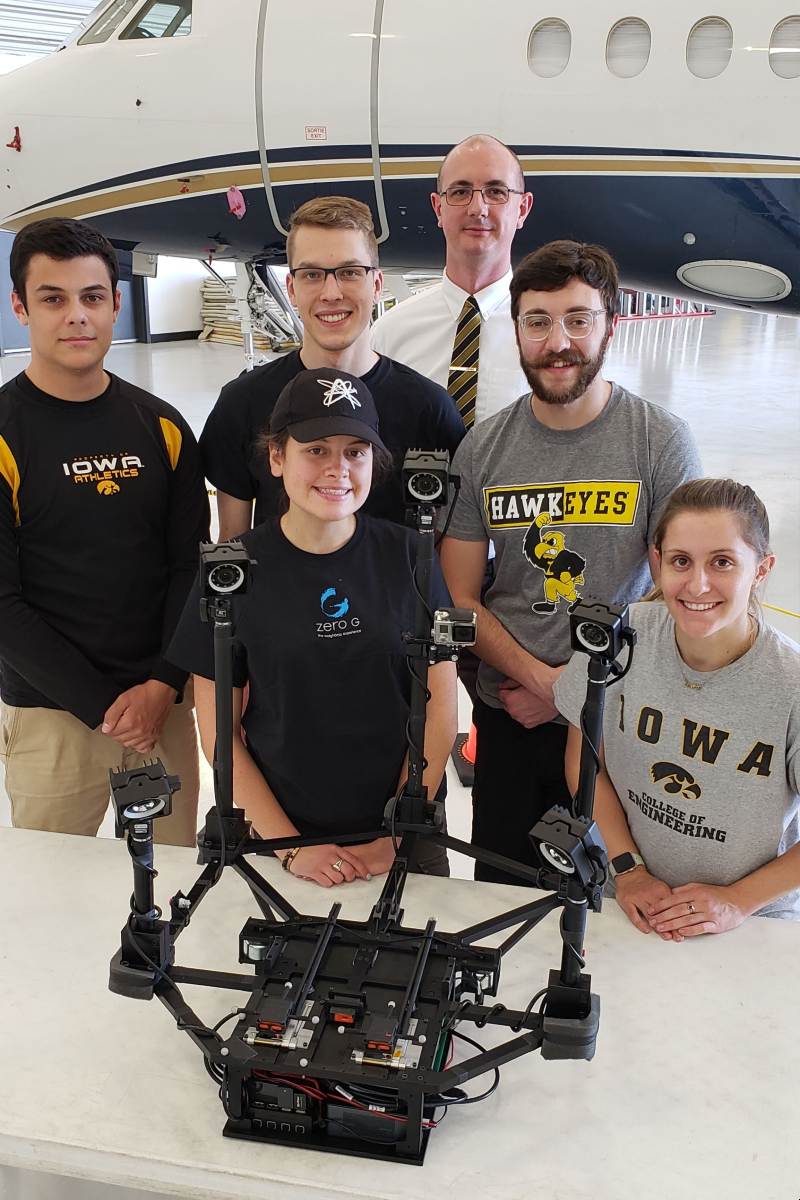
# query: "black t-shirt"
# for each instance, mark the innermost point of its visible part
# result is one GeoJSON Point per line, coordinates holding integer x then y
{"type": "Point", "coordinates": [102, 506]}
{"type": "Point", "coordinates": [413, 412]}
{"type": "Point", "coordinates": [319, 638]}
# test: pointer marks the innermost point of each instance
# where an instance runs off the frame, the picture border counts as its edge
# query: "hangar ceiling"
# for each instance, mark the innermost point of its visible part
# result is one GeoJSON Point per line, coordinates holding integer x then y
{"type": "Point", "coordinates": [39, 26]}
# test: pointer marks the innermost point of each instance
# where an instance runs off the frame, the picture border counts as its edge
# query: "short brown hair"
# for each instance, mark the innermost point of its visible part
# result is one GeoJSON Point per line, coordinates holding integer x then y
{"type": "Point", "coordinates": [556, 264]}
{"type": "Point", "coordinates": [62, 239]}
{"type": "Point", "coordinates": [719, 495]}
{"type": "Point", "coordinates": [334, 212]}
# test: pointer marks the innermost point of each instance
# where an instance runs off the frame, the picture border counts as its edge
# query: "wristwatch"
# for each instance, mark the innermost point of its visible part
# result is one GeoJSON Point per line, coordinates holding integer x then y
{"type": "Point", "coordinates": [624, 863]}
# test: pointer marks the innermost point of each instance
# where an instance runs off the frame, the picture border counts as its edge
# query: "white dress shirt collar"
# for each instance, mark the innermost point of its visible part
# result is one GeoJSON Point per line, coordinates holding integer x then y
{"type": "Point", "coordinates": [488, 299]}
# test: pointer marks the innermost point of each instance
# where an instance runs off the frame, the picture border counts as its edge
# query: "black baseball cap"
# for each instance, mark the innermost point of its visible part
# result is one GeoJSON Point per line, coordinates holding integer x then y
{"type": "Point", "coordinates": [323, 403]}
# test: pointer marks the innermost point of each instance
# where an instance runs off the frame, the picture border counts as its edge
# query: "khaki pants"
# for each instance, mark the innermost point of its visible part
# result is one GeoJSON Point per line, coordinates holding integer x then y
{"type": "Point", "coordinates": [57, 771]}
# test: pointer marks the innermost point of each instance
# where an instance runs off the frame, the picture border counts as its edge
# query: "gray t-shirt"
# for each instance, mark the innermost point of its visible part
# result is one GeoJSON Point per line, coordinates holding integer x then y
{"type": "Point", "coordinates": [570, 512]}
{"type": "Point", "coordinates": [706, 764]}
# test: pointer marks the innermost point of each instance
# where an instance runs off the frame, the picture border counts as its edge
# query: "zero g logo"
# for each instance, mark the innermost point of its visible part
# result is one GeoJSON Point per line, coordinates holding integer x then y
{"type": "Point", "coordinates": [330, 606]}
{"type": "Point", "coordinates": [338, 623]}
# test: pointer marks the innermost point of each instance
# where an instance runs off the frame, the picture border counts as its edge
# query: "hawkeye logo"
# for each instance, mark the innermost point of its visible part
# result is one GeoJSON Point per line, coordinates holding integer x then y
{"type": "Point", "coordinates": [579, 502]}
{"type": "Point", "coordinates": [676, 780]}
{"type": "Point", "coordinates": [104, 471]}
{"type": "Point", "coordinates": [338, 625]}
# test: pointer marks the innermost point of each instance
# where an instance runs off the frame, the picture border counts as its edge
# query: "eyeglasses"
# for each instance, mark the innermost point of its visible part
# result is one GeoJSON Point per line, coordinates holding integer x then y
{"type": "Point", "coordinates": [494, 193]}
{"type": "Point", "coordinates": [536, 327]}
{"type": "Point", "coordinates": [317, 276]}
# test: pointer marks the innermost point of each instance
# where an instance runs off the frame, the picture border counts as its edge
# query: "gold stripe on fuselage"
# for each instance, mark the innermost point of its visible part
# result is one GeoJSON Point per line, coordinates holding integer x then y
{"type": "Point", "coordinates": [132, 195]}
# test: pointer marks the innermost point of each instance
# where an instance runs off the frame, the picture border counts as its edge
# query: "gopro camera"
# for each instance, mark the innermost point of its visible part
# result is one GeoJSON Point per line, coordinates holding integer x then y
{"type": "Point", "coordinates": [599, 630]}
{"type": "Point", "coordinates": [224, 569]}
{"type": "Point", "coordinates": [454, 627]}
{"type": "Point", "coordinates": [426, 477]}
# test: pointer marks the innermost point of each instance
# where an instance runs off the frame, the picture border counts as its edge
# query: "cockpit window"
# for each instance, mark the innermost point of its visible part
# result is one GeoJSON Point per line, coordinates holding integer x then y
{"type": "Point", "coordinates": [112, 15]}
{"type": "Point", "coordinates": [160, 19]}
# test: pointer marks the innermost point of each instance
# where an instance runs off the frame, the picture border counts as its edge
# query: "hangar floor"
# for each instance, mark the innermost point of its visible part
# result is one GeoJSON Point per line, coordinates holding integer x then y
{"type": "Point", "coordinates": [734, 377]}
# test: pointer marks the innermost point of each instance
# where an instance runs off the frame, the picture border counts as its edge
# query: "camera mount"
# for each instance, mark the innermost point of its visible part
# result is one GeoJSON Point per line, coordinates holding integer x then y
{"type": "Point", "coordinates": [344, 1043]}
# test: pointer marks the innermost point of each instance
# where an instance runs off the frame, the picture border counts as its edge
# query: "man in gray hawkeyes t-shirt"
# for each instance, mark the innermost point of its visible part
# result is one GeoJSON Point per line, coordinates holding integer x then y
{"type": "Point", "coordinates": [706, 764]}
{"type": "Point", "coordinates": [568, 484]}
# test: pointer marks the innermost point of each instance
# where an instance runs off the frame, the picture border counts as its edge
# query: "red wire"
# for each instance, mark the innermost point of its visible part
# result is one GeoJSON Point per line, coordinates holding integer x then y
{"type": "Point", "coordinates": [317, 1094]}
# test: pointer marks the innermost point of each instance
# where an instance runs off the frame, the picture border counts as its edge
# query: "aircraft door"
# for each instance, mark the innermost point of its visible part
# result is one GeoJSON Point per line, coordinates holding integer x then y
{"type": "Point", "coordinates": [316, 103]}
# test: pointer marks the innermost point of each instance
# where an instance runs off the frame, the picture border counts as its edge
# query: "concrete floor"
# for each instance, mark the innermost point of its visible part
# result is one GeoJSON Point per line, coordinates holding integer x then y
{"type": "Point", "coordinates": [734, 376]}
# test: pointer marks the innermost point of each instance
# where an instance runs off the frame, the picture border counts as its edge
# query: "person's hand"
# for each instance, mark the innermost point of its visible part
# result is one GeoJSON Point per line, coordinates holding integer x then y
{"type": "Point", "coordinates": [328, 865]}
{"type": "Point", "coordinates": [639, 894]}
{"type": "Point", "coordinates": [697, 908]}
{"type": "Point", "coordinates": [137, 716]}
{"type": "Point", "coordinates": [529, 707]}
{"type": "Point", "coordinates": [377, 856]}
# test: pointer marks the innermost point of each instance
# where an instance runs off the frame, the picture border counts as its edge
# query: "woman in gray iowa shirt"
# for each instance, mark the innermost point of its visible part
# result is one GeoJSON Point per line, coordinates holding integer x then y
{"type": "Point", "coordinates": [701, 739]}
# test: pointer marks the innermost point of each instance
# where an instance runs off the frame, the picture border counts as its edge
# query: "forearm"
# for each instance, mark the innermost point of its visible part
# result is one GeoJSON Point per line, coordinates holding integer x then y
{"type": "Point", "coordinates": [250, 789]}
{"type": "Point", "coordinates": [610, 817]}
{"type": "Point", "coordinates": [252, 793]}
{"type": "Point", "coordinates": [235, 516]}
{"type": "Point", "coordinates": [496, 647]}
{"type": "Point", "coordinates": [608, 811]}
{"type": "Point", "coordinates": [441, 726]}
{"type": "Point", "coordinates": [769, 882]}
{"type": "Point", "coordinates": [464, 566]}
{"type": "Point", "coordinates": [52, 664]}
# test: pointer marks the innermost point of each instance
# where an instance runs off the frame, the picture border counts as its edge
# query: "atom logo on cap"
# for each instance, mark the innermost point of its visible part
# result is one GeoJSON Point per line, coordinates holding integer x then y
{"type": "Point", "coordinates": [339, 389]}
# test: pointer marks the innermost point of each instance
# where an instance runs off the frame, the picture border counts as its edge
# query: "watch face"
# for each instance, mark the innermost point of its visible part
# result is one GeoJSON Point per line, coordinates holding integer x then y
{"type": "Point", "coordinates": [623, 862]}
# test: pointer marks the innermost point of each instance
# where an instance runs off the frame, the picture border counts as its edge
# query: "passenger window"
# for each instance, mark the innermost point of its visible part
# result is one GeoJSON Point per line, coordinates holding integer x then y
{"type": "Point", "coordinates": [628, 48]}
{"type": "Point", "coordinates": [549, 47]}
{"type": "Point", "coordinates": [784, 49]}
{"type": "Point", "coordinates": [161, 19]}
{"type": "Point", "coordinates": [112, 16]}
{"type": "Point", "coordinates": [709, 47]}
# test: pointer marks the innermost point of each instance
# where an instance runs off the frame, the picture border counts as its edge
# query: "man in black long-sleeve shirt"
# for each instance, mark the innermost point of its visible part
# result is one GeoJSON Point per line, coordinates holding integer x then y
{"type": "Point", "coordinates": [102, 506]}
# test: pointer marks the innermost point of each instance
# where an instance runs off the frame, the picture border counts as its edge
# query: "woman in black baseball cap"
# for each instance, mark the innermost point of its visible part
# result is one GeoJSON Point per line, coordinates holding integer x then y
{"type": "Point", "coordinates": [319, 642]}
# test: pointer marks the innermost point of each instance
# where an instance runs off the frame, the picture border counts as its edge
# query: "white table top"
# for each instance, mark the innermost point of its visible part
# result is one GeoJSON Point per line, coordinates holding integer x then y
{"type": "Point", "coordinates": [692, 1092]}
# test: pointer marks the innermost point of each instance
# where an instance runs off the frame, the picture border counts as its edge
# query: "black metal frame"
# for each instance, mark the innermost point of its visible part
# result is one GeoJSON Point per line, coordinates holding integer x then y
{"type": "Point", "coordinates": [308, 968]}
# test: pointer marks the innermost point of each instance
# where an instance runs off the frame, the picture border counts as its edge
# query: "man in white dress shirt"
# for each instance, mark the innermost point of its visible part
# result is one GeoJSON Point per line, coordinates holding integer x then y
{"type": "Point", "coordinates": [480, 202]}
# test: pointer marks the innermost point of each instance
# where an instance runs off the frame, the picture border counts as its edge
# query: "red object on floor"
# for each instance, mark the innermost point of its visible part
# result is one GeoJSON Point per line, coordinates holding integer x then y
{"type": "Point", "coordinates": [468, 749]}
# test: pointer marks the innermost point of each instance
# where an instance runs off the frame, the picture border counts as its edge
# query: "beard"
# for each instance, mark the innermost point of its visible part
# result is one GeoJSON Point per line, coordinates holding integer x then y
{"type": "Point", "coordinates": [588, 368]}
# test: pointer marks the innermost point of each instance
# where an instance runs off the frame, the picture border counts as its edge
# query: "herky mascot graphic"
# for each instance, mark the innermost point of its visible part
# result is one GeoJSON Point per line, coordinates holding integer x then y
{"type": "Point", "coordinates": [562, 568]}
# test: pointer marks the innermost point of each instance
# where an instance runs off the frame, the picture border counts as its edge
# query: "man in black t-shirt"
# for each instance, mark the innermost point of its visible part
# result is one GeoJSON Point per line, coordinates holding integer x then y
{"type": "Point", "coordinates": [102, 506]}
{"type": "Point", "coordinates": [334, 280]}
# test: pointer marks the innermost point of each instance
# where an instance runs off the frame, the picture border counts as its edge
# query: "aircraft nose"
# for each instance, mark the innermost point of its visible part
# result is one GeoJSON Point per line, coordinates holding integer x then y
{"type": "Point", "coordinates": [12, 145]}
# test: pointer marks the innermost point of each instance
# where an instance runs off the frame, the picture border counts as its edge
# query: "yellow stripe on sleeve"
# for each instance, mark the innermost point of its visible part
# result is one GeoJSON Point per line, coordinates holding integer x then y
{"type": "Point", "coordinates": [10, 472]}
{"type": "Point", "coordinates": [173, 439]}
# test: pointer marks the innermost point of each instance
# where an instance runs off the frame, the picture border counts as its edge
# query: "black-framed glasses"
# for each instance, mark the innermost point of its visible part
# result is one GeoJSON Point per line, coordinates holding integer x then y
{"type": "Point", "coordinates": [536, 327]}
{"type": "Point", "coordinates": [460, 194]}
{"type": "Point", "coordinates": [317, 276]}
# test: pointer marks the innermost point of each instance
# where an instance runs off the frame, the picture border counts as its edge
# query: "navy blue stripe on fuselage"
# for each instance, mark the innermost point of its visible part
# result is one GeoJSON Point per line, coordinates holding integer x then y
{"type": "Point", "coordinates": [360, 153]}
{"type": "Point", "coordinates": [642, 220]}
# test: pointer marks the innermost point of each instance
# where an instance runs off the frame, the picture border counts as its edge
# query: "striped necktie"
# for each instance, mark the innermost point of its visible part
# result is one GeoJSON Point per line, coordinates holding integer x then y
{"type": "Point", "coordinates": [462, 384]}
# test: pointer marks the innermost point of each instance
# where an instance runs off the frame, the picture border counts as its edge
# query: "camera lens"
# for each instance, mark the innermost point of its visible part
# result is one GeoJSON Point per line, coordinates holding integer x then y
{"type": "Point", "coordinates": [424, 485]}
{"type": "Point", "coordinates": [592, 636]}
{"type": "Point", "coordinates": [225, 577]}
{"type": "Point", "coordinates": [557, 858]}
{"type": "Point", "coordinates": [144, 810]}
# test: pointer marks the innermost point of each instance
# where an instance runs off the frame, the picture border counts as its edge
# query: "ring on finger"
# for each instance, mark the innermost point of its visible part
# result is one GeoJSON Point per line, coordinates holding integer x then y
{"type": "Point", "coordinates": [691, 908]}
{"type": "Point", "coordinates": [337, 866]}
